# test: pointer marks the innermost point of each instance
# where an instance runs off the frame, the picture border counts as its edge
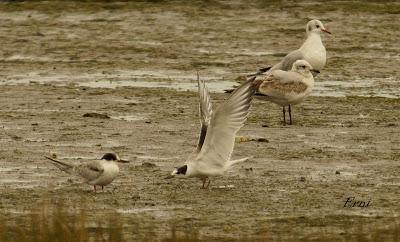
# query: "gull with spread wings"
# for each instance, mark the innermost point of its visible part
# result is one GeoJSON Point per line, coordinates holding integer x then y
{"type": "Point", "coordinates": [217, 133]}
{"type": "Point", "coordinates": [96, 172]}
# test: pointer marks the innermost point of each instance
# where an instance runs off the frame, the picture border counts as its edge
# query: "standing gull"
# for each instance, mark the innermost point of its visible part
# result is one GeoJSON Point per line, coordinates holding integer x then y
{"type": "Point", "coordinates": [217, 133]}
{"type": "Point", "coordinates": [96, 172]}
{"type": "Point", "coordinates": [312, 50]}
{"type": "Point", "coordinates": [287, 88]}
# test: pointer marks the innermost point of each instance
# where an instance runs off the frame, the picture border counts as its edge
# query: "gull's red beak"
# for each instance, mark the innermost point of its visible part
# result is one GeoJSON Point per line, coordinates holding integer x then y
{"type": "Point", "coordinates": [326, 31]}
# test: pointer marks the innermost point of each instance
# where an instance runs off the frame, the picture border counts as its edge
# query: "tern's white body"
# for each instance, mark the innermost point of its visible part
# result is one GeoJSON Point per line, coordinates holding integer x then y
{"type": "Point", "coordinates": [110, 172]}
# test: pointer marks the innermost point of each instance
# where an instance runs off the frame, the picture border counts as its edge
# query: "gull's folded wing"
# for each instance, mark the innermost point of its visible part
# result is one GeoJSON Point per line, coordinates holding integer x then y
{"type": "Point", "coordinates": [291, 58]}
{"type": "Point", "coordinates": [279, 83]}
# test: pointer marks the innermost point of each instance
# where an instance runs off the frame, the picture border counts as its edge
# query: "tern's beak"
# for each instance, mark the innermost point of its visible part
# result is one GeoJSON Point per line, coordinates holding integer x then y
{"type": "Point", "coordinates": [123, 161]}
{"type": "Point", "coordinates": [315, 71]}
{"type": "Point", "coordinates": [172, 175]}
{"type": "Point", "coordinates": [326, 31]}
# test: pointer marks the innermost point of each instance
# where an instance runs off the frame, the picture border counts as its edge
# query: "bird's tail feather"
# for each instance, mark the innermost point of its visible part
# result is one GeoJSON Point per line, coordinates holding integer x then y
{"type": "Point", "coordinates": [233, 162]}
{"type": "Point", "coordinates": [61, 165]}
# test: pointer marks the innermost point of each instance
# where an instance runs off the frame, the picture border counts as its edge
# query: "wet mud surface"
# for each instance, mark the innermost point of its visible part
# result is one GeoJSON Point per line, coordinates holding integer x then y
{"type": "Point", "coordinates": [58, 66]}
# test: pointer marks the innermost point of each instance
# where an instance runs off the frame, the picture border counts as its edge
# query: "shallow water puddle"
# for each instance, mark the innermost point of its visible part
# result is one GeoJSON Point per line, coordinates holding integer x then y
{"type": "Point", "coordinates": [331, 86]}
{"type": "Point", "coordinates": [160, 212]}
{"type": "Point", "coordinates": [149, 157]}
{"type": "Point", "coordinates": [129, 118]}
{"type": "Point", "coordinates": [380, 87]}
{"type": "Point", "coordinates": [219, 86]}
{"type": "Point", "coordinates": [224, 187]}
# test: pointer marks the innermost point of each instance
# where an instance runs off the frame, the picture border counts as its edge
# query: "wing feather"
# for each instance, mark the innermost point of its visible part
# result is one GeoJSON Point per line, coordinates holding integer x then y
{"type": "Point", "coordinates": [205, 111]}
{"type": "Point", "coordinates": [90, 170]}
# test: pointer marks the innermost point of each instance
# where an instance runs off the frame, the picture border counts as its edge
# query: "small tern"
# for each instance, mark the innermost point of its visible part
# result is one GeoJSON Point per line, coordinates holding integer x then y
{"type": "Point", "coordinates": [96, 172]}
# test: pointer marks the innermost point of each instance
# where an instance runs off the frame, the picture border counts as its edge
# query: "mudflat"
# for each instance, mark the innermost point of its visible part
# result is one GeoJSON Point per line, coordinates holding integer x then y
{"type": "Point", "coordinates": [332, 175]}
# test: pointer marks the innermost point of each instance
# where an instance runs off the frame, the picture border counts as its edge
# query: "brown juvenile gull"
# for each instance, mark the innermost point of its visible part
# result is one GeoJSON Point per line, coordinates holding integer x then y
{"type": "Point", "coordinates": [287, 88]}
{"type": "Point", "coordinates": [217, 133]}
{"type": "Point", "coordinates": [96, 172]}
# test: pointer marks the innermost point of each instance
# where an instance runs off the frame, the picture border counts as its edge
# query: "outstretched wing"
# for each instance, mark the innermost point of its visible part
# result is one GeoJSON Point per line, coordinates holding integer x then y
{"type": "Point", "coordinates": [225, 123]}
{"type": "Point", "coordinates": [205, 111]}
{"type": "Point", "coordinates": [90, 170]}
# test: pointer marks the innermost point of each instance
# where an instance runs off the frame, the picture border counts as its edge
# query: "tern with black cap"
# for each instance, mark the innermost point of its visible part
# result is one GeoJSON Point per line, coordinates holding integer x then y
{"type": "Point", "coordinates": [95, 172]}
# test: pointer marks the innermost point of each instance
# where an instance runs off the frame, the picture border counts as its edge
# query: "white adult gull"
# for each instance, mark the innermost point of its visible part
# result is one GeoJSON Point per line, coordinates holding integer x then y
{"type": "Point", "coordinates": [312, 50]}
{"type": "Point", "coordinates": [287, 88]}
{"type": "Point", "coordinates": [217, 133]}
{"type": "Point", "coordinates": [95, 172]}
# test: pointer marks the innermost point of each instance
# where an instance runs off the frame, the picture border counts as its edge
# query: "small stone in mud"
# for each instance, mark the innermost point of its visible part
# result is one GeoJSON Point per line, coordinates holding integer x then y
{"type": "Point", "coordinates": [302, 179]}
{"type": "Point", "coordinates": [148, 122]}
{"type": "Point", "coordinates": [34, 124]}
{"type": "Point", "coordinates": [96, 115]}
{"type": "Point", "coordinates": [262, 140]}
{"type": "Point", "coordinates": [135, 197]}
{"type": "Point", "coordinates": [264, 125]}
{"type": "Point", "coordinates": [148, 164]}
{"type": "Point", "coordinates": [337, 172]}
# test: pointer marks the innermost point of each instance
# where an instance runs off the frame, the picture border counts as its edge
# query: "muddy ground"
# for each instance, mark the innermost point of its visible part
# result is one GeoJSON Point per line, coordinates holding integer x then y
{"type": "Point", "coordinates": [53, 55]}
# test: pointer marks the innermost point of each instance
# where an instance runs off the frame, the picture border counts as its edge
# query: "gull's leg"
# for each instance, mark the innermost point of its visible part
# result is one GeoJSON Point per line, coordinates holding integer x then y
{"type": "Point", "coordinates": [94, 188]}
{"type": "Point", "coordinates": [208, 184]}
{"type": "Point", "coordinates": [204, 182]}
{"type": "Point", "coordinates": [290, 115]}
{"type": "Point", "coordinates": [284, 115]}
{"type": "Point", "coordinates": [102, 188]}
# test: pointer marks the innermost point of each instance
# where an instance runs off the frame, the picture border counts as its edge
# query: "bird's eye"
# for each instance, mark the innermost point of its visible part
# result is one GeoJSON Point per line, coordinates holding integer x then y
{"type": "Point", "coordinates": [304, 67]}
{"type": "Point", "coordinates": [317, 26]}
